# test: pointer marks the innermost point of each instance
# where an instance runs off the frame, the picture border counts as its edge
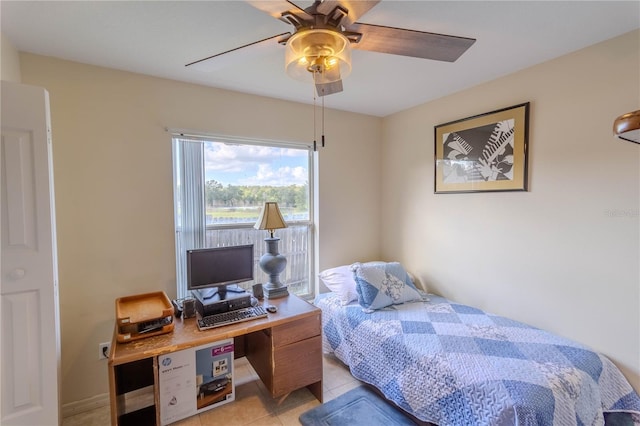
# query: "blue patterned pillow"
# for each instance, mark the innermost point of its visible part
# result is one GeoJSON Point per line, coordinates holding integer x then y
{"type": "Point", "coordinates": [383, 284]}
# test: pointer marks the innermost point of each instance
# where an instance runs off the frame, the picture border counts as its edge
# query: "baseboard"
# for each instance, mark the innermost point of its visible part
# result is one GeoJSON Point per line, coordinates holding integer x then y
{"type": "Point", "coordinates": [84, 405]}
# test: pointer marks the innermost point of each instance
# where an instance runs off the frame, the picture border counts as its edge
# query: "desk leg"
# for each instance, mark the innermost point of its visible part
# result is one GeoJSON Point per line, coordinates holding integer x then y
{"type": "Point", "coordinates": [112, 400]}
{"type": "Point", "coordinates": [316, 390]}
{"type": "Point", "coordinates": [156, 389]}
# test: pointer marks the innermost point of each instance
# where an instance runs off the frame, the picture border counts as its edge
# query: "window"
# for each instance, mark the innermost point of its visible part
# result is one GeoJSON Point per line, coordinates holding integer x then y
{"type": "Point", "coordinates": [220, 186]}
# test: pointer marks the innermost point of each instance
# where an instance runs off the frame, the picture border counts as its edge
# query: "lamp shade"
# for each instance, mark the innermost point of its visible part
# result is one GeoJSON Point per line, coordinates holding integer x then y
{"type": "Point", "coordinates": [270, 218]}
{"type": "Point", "coordinates": [627, 127]}
{"type": "Point", "coordinates": [318, 51]}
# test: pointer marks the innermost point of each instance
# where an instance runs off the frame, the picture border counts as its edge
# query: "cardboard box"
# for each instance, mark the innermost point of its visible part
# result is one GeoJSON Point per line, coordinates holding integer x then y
{"type": "Point", "coordinates": [195, 380]}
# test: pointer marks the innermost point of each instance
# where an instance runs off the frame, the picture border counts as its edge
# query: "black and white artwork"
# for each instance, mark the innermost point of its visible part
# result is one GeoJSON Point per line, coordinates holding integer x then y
{"type": "Point", "coordinates": [487, 152]}
{"type": "Point", "coordinates": [480, 154]}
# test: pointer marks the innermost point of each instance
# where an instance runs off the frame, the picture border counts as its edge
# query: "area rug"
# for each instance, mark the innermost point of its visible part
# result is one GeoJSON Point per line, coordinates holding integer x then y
{"type": "Point", "coordinates": [359, 406]}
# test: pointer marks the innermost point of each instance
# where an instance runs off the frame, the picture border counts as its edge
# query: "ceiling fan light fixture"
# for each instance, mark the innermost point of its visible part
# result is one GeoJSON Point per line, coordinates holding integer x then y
{"type": "Point", "coordinates": [317, 50]}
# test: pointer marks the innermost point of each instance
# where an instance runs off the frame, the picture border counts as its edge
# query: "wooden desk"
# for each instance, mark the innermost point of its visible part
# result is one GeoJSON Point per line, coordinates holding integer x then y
{"type": "Point", "coordinates": [285, 349]}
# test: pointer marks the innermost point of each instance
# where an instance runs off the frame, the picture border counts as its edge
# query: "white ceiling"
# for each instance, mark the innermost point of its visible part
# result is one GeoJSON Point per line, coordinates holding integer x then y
{"type": "Point", "coordinates": [159, 37]}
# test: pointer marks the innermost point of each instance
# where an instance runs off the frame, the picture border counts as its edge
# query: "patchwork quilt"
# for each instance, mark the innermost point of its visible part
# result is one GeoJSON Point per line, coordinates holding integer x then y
{"type": "Point", "coordinates": [452, 364]}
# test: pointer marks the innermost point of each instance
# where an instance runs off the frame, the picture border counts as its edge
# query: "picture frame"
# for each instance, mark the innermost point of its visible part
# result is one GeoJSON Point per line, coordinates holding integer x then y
{"type": "Point", "coordinates": [483, 153]}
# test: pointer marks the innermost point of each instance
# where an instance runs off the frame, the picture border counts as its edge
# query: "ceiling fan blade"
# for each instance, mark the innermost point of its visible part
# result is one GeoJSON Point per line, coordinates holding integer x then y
{"type": "Point", "coordinates": [418, 44]}
{"type": "Point", "coordinates": [237, 55]}
{"type": "Point", "coordinates": [356, 8]}
{"type": "Point", "coordinates": [276, 8]}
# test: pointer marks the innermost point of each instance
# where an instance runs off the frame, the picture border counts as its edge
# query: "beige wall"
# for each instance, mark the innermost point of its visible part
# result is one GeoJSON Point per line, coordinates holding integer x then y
{"type": "Point", "coordinates": [563, 256]}
{"type": "Point", "coordinates": [554, 256]}
{"type": "Point", "coordinates": [113, 183]}
{"type": "Point", "coordinates": [9, 60]}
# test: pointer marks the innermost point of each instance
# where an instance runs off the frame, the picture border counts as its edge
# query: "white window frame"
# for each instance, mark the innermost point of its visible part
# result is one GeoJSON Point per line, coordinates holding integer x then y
{"type": "Point", "coordinates": [197, 239]}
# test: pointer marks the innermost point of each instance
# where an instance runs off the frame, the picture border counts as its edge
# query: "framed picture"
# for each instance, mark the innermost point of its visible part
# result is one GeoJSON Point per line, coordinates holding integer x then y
{"type": "Point", "coordinates": [486, 152]}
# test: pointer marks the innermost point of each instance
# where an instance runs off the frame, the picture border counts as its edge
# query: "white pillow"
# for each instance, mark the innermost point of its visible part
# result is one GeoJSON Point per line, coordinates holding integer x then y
{"type": "Point", "coordinates": [340, 281]}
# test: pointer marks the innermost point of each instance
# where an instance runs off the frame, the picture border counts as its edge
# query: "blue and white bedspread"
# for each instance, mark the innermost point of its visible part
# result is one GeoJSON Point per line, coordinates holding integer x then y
{"type": "Point", "coordinates": [452, 364]}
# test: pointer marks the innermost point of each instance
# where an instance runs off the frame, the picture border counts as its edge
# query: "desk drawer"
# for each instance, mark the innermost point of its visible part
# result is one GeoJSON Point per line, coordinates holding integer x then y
{"type": "Point", "coordinates": [296, 331]}
{"type": "Point", "coordinates": [296, 365]}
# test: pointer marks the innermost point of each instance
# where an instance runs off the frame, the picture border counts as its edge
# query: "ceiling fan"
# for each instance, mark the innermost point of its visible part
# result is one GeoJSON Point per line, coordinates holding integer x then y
{"type": "Point", "coordinates": [324, 33]}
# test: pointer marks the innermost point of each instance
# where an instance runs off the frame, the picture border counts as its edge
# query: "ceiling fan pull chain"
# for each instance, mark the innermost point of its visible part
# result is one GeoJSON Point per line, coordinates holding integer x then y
{"type": "Point", "coordinates": [314, 113]}
{"type": "Point", "coordinates": [322, 122]}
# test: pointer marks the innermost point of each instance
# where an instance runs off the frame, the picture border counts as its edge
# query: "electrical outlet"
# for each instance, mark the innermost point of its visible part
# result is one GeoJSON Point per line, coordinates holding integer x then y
{"type": "Point", "coordinates": [103, 350]}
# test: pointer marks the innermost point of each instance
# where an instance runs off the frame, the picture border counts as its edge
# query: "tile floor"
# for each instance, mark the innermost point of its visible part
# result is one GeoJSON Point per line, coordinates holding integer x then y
{"type": "Point", "coordinates": [253, 405]}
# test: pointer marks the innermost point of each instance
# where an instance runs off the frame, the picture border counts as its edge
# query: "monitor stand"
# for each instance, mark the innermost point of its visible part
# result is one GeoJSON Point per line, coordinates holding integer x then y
{"type": "Point", "coordinates": [220, 291]}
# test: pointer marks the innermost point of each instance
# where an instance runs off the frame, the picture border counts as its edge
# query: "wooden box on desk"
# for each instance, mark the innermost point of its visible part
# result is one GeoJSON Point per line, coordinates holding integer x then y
{"type": "Point", "coordinates": [143, 315]}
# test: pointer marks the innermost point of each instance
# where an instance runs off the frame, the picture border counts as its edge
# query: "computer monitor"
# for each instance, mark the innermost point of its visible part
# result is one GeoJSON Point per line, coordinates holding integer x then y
{"type": "Point", "coordinates": [214, 271]}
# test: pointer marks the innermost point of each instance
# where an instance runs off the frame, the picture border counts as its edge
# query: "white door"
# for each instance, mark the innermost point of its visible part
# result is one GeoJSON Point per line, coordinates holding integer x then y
{"type": "Point", "coordinates": [30, 330]}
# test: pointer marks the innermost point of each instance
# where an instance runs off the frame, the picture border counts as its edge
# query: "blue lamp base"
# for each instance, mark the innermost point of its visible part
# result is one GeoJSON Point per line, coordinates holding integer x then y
{"type": "Point", "coordinates": [273, 263]}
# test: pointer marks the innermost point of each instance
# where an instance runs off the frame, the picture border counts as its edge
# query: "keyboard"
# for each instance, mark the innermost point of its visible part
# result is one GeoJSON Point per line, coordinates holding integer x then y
{"type": "Point", "coordinates": [231, 317]}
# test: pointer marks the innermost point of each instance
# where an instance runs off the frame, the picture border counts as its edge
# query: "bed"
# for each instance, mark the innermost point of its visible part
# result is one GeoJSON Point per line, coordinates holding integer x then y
{"type": "Point", "coordinates": [451, 364]}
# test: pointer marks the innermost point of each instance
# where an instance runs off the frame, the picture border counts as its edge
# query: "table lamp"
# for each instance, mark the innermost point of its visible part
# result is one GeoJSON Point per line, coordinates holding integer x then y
{"type": "Point", "coordinates": [272, 262]}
